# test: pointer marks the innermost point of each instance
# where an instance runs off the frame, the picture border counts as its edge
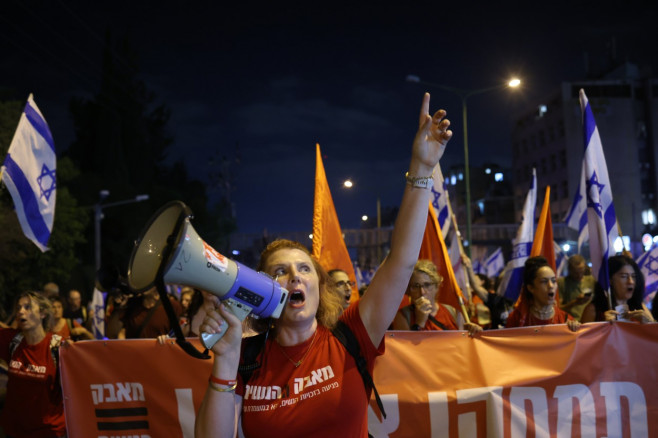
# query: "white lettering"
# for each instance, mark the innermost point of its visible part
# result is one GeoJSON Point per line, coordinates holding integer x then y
{"type": "Point", "coordinates": [493, 395]}
{"type": "Point", "coordinates": [106, 393]}
{"type": "Point", "coordinates": [186, 411]}
{"type": "Point", "coordinates": [538, 416]}
{"type": "Point", "coordinates": [15, 364]}
{"type": "Point", "coordinates": [439, 418]}
{"type": "Point", "coordinates": [379, 427]}
{"type": "Point", "coordinates": [565, 396]}
{"type": "Point", "coordinates": [613, 392]}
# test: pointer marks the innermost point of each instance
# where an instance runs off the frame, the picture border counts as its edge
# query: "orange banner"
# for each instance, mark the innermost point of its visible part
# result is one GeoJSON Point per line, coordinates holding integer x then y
{"type": "Point", "coordinates": [536, 381]}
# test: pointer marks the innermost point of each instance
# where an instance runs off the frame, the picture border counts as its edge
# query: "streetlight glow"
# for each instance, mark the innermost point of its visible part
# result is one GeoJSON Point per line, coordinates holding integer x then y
{"type": "Point", "coordinates": [364, 217]}
{"type": "Point", "coordinates": [348, 184]}
{"type": "Point", "coordinates": [464, 95]}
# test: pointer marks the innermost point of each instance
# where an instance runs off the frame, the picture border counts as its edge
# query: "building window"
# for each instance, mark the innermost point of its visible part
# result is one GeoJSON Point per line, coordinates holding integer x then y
{"type": "Point", "coordinates": [498, 176]}
{"type": "Point", "coordinates": [553, 163]}
{"type": "Point", "coordinates": [563, 158]}
{"type": "Point", "coordinates": [543, 166]}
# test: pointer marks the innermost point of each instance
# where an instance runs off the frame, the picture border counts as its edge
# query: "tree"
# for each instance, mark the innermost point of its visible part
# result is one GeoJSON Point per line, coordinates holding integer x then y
{"type": "Point", "coordinates": [120, 145]}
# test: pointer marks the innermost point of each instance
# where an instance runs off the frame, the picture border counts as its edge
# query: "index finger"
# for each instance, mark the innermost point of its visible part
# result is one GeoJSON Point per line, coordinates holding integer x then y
{"type": "Point", "coordinates": [424, 109]}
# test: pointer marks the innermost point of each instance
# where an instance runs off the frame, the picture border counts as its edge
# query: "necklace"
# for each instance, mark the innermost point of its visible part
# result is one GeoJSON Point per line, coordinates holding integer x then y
{"type": "Point", "coordinates": [544, 314]}
{"type": "Point", "coordinates": [299, 362]}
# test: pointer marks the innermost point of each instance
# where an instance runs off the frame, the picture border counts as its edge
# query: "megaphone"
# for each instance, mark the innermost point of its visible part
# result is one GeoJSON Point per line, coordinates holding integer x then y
{"type": "Point", "coordinates": [169, 250]}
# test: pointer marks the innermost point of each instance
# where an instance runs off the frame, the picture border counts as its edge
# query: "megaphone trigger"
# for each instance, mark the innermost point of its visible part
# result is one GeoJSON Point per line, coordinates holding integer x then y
{"type": "Point", "coordinates": [237, 308]}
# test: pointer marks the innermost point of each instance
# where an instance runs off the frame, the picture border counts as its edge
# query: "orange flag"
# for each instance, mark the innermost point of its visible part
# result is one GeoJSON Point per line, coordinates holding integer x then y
{"type": "Point", "coordinates": [543, 243]}
{"type": "Point", "coordinates": [434, 248]}
{"type": "Point", "coordinates": [328, 244]}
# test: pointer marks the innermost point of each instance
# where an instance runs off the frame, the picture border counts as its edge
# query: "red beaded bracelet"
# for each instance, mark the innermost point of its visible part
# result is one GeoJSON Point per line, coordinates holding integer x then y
{"type": "Point", "coordinates": [214, 379]}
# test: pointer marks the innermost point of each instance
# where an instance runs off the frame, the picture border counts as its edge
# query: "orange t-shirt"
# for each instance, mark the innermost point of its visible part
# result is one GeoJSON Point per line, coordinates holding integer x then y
{"type": "Point", "coordinates": [323, 397]}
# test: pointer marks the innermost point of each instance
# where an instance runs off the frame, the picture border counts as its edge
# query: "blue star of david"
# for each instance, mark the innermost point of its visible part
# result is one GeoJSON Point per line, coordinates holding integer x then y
{"type": "Point", "coordinates": [47, 182]}
{"type": "Point", "coordinates": [437, 196]}
{"type": "Point", "coordinates": [593, 198]}
{"type": "Point", "coordinates": [652, 260]}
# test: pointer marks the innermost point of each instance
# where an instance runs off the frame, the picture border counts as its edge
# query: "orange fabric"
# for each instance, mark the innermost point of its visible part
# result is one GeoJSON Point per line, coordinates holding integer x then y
{"type": "Point", "coordinates": [434, 248]}
{"type": "Point", "coordinates": [543, 242]}
{"type": "Point", "coordinates": [439, 383]}
{"type": "Point", "coordinates": [328, 244]}
{"type": "Point", "coordinates": [542, 245]}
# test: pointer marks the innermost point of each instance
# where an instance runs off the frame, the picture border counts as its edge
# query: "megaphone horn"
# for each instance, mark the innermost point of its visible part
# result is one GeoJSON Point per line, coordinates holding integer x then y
{"type": "Point", "coordinates": [170, 251]}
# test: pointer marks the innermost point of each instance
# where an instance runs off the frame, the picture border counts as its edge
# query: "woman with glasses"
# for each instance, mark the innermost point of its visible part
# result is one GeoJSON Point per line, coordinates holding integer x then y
{"type": "Point", "coordinates": [627, 288]}
{"type": "Point", "coordinates": [343, 284]}
{"type": "Point", "coordinates": [424, 312]}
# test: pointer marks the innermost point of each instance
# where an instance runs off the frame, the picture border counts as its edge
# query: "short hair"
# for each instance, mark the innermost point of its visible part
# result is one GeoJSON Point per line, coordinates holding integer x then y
{"type": "Point", "coordinates": [331, 303]}
{"type": "Point", "coordinates": [44, 304]}
{"type": "Point", "coordinates": [50, 289]}
{"type": "Point", "coordinates": [428, 267]}
{"type": "Point", "coordinates": [576, 260]}
{"type": "Point", "coordinates": [333, 271]}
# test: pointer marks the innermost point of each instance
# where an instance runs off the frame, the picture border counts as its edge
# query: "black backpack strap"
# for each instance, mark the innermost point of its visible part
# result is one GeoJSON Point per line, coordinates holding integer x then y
{"type": "Point", "coordinates": [436, 321]}
{"type": "Point", "coordinates": [343, 333]}
{"type": "Point", "coordinates": [252, 346]}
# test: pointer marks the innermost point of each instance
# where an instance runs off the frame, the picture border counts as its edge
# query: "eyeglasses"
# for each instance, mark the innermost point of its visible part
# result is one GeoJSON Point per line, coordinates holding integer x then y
{"type": "Point", "coordinates": [426, 286]}
{"type": "Point", "coordinates": [345, 283]}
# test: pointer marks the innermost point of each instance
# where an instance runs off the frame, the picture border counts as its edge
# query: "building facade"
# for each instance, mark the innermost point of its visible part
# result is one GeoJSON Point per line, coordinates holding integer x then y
{"type": "Point", "coordinates": [549, 137]}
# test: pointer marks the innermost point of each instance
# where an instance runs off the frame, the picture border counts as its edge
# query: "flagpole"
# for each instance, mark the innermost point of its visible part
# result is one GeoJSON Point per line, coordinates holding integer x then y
{"type": "Point", "coordinates": [466, 282]}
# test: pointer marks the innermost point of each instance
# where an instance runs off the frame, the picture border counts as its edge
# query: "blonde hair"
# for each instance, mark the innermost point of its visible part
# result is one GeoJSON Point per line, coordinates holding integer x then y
{"type": "Point", "coordinates": [45, 306]}
{"type": "Point", "coordinates": [428, 267]}
{"type": "Point", "coordinates": [331, 303]}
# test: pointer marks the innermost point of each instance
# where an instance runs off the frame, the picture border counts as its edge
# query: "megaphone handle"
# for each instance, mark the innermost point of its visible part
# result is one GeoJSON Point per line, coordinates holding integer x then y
{"type": "Point", "coordinates": [237, 308]}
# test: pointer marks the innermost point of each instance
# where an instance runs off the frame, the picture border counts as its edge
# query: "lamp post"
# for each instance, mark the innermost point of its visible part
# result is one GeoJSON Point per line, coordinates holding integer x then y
{"type": "Point", "coordinates": [98, 216]}
{"type": "Point", "coordinates": [348, 184]}
{"type": "Point", "coordinates": [464, 95]}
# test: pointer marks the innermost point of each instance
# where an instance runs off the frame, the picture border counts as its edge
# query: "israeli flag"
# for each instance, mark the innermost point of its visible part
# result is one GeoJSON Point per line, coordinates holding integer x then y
{"type": "Point", "coordinates": [29, 174]}
{"type": "Point", "coordinates": [577, 215]}
{"type": "Point", "coordinates": [441, 201]}
{"type": "Point", "coordinates": [510, 286]}
{"type": "Point", "coordinates": [561, 259]}
{"type": "Point", "coordinates": [601, 218]}
{"type": "Point", "coordinates": [648, 263]}
{"type": "Point", "coordinates": [494, 263]}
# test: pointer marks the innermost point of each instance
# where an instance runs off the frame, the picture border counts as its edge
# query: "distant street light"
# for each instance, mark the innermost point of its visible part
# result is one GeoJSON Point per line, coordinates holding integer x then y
{"type": "Point", "coordinates": [349, 184]}
{"type": "Point", "coordinates": [98, 216]}
{"type": "Point", "coordinates": [465, 94]}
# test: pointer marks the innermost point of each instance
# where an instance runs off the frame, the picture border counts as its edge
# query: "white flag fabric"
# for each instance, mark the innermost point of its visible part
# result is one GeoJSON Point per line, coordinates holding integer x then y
{"type": "Point", "coordinates": [577, 216]}
{"type": "Point", "coordinates": [601, 218]}
{"type": "Point", "coordinates": [648, 263]}
{"type": "Point", "coordinates": [510, 285]}
{"type": "Point", "coordinates": [29, 174]}
{"type": "Point", "coordinates": [561, 259]}
{"type": "Point", "coordinates": [458, 267]}
{"type": "Point", "coordinates": [494, 263]}
{"type": "Point", "coordinates": [441, 201]}
{"type": "Point", "coordinates": [98, 306]}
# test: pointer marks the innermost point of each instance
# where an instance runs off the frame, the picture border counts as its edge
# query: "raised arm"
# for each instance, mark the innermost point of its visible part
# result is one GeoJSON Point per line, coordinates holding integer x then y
{"type": "Point", "coordinates": [220, 408]}
{"type": "Point", "coordinates": [382, 299]}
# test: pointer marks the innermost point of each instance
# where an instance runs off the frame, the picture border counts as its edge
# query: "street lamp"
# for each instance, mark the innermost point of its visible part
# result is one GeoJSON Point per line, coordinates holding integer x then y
{"type": "Point", "coordinates": [98, 216]}
{"type": "Point", "coordinates": [349, 184]}
{"type": "Point", "coordinates": [465, 94]}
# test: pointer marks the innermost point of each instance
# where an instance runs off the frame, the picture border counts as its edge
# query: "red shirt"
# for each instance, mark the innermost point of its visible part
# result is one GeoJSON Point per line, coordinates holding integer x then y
{"type": "Point", "coordinates": [323, 397]}
{"type": "Point", "coordinates": [526, 319]}
{"type": "Point", "coordinates": [33, 405]}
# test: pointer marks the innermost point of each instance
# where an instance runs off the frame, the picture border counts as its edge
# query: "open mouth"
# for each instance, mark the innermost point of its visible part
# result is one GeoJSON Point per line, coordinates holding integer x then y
{"type": "Point", "coordinates": [296, 298]}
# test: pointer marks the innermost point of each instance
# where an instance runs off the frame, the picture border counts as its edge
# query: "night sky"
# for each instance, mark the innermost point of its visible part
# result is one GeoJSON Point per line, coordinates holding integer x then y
{"type": "Point", "coordinates": [277, 80]}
